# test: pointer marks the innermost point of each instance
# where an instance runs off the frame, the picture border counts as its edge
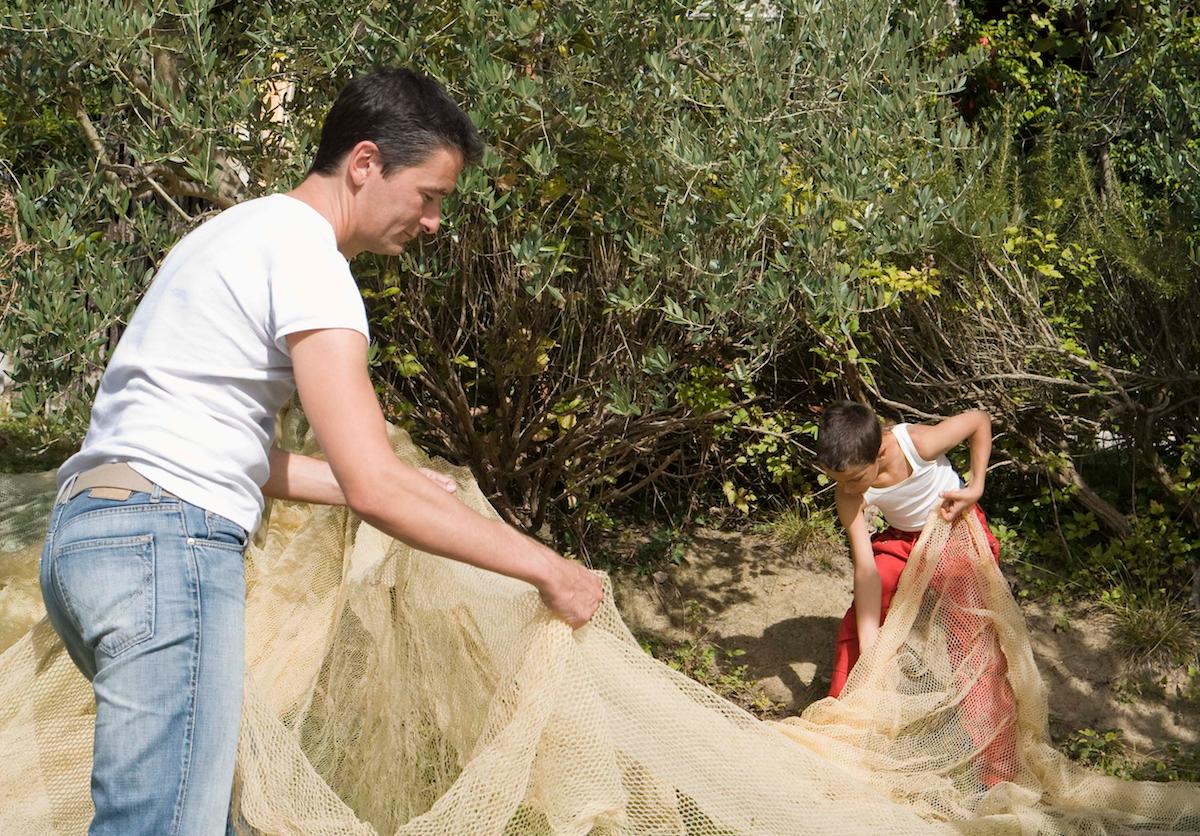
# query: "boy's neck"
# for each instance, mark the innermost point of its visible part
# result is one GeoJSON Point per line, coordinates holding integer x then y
{"type": "Point", "coordinates": [894, 467]}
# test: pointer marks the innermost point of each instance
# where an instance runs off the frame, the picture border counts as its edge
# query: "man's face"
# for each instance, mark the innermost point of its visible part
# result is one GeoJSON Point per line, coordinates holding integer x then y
{"type": "Point", "coordinates": [399, 206]}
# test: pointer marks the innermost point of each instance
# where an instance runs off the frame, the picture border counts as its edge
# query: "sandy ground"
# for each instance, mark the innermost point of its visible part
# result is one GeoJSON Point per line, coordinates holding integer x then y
{"type": "Point", "coordinates": [782, 610]}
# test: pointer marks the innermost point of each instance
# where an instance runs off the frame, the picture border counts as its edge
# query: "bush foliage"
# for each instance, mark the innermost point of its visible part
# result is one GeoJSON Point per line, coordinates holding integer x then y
{"type": "Point", "coordinates": [693, 222]}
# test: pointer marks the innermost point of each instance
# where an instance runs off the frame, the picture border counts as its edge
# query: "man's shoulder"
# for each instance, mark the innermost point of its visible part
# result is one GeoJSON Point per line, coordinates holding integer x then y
{"type": "Point", "coordinates": [249, 219]}
{"type": "Point", "coordinates": [277, 225]}
{"type": "Point", "coordinates": [270, 209]}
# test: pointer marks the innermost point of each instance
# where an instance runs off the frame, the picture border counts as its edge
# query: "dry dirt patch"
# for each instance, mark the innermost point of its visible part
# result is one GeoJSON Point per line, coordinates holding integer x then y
{"type": "Point", "coordinates": [782, 610]}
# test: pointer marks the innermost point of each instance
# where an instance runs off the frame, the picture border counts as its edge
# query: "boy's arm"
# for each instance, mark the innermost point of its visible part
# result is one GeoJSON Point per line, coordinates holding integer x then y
{"type": "Point", "coordinates": [868, 588]}
{"type": "Point", "coordinates": [931, 442]}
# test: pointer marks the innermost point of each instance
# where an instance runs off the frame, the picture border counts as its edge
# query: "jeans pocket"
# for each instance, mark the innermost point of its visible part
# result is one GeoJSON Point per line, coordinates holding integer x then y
{"type": "Point", "coordinates": [223, 531]}
{"type": "Point", "coordinates": [107, 587]}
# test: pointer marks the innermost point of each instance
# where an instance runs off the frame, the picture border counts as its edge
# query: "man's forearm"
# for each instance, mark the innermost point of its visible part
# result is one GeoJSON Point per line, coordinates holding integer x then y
{"type": "Point", "coordinates": [410, 507]}
{"type": "Point", "coordinates": [301, 479]}
{"type": "Point", "coordinates": [419, 512]}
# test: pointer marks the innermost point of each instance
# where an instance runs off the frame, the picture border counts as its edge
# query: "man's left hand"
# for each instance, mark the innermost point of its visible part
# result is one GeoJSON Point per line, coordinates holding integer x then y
{"type": "Point", "coordinates": [440, 479]}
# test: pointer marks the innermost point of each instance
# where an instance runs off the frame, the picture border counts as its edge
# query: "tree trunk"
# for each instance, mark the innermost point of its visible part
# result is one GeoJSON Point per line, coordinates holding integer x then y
{"type": "Point", "coordinates": [1066, 476]}
{"type": "Point", "coordinates": [1112, 519]}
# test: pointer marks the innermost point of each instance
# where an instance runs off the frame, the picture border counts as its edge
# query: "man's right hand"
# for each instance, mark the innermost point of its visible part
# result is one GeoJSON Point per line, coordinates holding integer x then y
{"type": "Point", "coordinates": [419, 509]}
{"type": "Point", "coordinates": [571, 591]}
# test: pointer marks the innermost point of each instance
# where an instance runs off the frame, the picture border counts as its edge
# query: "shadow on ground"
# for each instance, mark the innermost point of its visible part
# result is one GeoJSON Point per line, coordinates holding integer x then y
{"type": "Point", "coordinates": [782, 609]}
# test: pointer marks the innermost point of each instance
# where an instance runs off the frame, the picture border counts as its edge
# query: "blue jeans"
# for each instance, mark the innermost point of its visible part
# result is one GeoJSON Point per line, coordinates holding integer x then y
{"type": "Point", "coordinates": [148, 595]}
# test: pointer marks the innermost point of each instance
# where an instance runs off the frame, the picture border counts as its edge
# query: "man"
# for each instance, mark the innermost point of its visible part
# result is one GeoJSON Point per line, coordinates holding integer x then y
{"type": "Point", "coordinates": [142, 567]}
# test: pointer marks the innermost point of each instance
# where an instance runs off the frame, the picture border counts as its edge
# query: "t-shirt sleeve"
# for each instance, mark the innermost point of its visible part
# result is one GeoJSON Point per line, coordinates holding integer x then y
{"type": "Point", "coordinates": [313, 288]}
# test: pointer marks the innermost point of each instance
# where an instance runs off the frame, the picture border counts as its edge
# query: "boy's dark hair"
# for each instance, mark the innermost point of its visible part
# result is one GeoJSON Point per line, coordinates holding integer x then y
{"type": "Point", "coordinates": [403, 112]}
{"type": "Point", "coordinates": [849, 436]}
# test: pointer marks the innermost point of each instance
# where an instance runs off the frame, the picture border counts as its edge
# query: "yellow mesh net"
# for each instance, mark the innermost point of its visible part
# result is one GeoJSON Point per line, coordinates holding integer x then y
{"type": "Point", "coordinates": [390, 691]}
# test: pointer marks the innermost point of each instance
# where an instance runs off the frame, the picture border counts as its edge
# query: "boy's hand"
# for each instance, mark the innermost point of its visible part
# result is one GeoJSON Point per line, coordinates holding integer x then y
{"type": "Point", "coordinates": [957, 501]}
{"type": "Point", "coordinates": [440, 479]}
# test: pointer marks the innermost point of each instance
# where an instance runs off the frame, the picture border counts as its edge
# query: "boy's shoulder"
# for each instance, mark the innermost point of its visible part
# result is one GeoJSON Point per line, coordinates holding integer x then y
{"type": "Point", "coordinates": [848, 500]}
{"type": "Point", "coordinates": [840, 491]}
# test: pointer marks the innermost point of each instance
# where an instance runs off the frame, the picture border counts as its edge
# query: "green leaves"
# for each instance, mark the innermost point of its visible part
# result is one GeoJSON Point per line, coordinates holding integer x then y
{"type": "Point", "coordinates": [674, 210]}
{"type": "Point", "coordinates": [522, 22]}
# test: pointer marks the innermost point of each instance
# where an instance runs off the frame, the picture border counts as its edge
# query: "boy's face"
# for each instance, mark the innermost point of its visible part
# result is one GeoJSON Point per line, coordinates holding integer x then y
{"type": "Point", "coordinates": [857, 478]}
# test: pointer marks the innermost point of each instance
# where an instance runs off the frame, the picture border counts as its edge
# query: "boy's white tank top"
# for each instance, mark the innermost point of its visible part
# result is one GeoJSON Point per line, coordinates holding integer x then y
{"type": "Point", "coordinates": [906, 505]}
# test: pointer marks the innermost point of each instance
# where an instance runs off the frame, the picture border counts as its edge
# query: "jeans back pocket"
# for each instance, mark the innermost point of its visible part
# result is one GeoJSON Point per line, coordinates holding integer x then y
{"type": "Point", "coordinates": [107, 587]}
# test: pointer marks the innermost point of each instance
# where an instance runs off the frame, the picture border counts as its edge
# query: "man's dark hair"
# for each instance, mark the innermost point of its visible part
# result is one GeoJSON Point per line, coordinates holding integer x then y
{"type": "Point", "coordinates": [849, 436]}
{"type": "Point", "coordinates": [406, 114]}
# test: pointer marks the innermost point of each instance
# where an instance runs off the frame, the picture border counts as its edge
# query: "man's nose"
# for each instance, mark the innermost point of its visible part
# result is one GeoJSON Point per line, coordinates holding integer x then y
{"type": "Point", "coordinates": [430, 223]}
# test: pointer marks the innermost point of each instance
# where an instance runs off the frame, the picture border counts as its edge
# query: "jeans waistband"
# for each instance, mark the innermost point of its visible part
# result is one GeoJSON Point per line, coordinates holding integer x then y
{"type": "Point", "coordinates": [117, 479]}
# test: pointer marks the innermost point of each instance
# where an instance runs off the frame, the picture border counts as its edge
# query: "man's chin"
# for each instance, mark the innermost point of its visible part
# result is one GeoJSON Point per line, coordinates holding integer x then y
{"type": "Point", "coordinates": [389, 248]}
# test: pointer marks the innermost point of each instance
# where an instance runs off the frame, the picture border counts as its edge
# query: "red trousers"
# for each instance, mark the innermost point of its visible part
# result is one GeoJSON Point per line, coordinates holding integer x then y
{"type": "Point", "coordinates": [989, 706]}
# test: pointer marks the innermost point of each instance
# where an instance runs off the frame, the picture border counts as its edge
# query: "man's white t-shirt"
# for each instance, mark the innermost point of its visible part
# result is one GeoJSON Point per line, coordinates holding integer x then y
{"type": "Point", "coordinates": [190, 396]}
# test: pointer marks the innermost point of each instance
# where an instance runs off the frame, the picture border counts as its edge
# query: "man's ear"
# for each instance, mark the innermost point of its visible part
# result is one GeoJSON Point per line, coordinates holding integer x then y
{"type": "Point", "coordinates": [359, 161]}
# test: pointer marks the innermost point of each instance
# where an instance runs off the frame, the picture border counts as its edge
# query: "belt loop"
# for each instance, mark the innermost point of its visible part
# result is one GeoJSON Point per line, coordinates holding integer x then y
{"type": "Point", "coordinates": [64, 493]}
{"type": "Point", "coordinates": [156, 494]}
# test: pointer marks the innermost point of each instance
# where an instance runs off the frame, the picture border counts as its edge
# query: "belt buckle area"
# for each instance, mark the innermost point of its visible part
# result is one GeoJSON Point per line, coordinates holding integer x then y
{"type": "Point", "coordinates": [119, 494]}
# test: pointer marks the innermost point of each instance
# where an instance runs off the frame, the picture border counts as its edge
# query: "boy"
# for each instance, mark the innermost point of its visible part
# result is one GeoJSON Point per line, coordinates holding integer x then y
{"type": "Point", "coordinates": [903, 472]}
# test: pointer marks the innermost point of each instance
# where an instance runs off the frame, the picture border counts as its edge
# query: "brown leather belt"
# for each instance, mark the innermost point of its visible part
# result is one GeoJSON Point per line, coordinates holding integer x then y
{"type": "Point", "coordinates": [111, 481]}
